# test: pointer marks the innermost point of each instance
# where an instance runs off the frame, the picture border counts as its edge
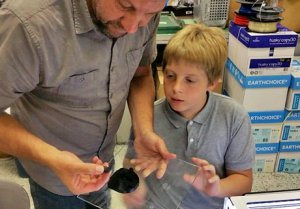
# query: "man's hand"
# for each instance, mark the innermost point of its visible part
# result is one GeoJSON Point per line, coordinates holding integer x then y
{"type": "Point", "coordinates": [136, 199]}
{"type": "Point", "coordinates": [207, 180]}
{"type": "Point", "coordinates": [152, 155]}
{"type": "Point", "coordinates": [78, 176]}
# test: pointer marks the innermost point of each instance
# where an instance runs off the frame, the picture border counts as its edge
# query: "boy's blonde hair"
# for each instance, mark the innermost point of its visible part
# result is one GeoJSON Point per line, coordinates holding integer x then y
{"type": "Point", "coordinates": [199, 44]}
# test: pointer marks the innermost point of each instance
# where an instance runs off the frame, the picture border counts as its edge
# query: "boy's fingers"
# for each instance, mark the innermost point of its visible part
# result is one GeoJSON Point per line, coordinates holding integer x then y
{"type": "Point", "coordinates": [213, 179]}
{"type": "Point", "coordinates": [189, 178]}
{"type": "Point", "coordinates": [200, 162]}
{"type": "Point", "coordinates": [210, 168]}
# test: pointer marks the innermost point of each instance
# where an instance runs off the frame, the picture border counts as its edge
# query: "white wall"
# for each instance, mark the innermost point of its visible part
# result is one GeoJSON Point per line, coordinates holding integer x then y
{"type": "Point", "coordinates": [124, 130]}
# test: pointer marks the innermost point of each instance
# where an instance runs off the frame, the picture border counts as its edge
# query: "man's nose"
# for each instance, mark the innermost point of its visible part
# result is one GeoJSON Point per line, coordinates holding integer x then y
{"type": "Point", "coordinates": [131, 22]}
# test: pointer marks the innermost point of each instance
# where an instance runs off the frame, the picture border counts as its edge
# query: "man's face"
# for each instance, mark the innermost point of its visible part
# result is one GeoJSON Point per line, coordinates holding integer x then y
{"type": "Point", "coordinates": [119, 17]}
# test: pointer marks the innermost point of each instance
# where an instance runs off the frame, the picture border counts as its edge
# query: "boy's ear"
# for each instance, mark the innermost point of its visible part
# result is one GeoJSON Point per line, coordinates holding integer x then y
{"type": "Point", "coordinates": [214, 84]}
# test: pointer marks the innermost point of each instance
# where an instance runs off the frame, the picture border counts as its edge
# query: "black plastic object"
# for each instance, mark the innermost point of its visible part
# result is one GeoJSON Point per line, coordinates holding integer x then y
{"type": "Point", "coordinates": [124, 181]}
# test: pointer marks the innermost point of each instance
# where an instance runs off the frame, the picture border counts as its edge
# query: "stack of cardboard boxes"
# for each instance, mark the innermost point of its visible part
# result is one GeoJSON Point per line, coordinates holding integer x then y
{"type": "Point", "coordinates": [258, 76]}
{"type": "Point", "coordinates": [288, 158]}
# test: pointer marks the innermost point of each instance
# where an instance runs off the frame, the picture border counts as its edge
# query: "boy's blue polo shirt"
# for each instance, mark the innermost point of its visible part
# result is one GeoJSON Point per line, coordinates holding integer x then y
{"type": "Point", "coordinates": [220, 134]}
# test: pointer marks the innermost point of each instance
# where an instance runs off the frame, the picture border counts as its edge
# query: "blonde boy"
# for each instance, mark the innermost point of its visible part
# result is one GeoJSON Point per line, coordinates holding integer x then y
{"type": "Point", "coordinates": [199, 126]}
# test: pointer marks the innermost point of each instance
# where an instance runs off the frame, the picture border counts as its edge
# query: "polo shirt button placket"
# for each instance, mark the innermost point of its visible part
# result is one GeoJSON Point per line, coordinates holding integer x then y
{"type": "Point", "coordinates": [166, 186]}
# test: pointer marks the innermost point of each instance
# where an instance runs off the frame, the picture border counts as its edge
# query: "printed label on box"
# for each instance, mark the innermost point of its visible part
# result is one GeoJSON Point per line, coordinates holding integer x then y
{"type": "Point", "coordinates": [289, 146]}
{"type": "Point", "coordinates": [292, 115]}
{"type": "Point", "coordinates": [270, 63]}
{"type": "Point", "coordinates": [296, 100]}
{"type": "Point", "coordinates": [258, 81]}
{"type": "Point", "coordinates": [266, 148]}
{"type": "Point", "coordinates": [264, 165]}
{"type": "Point", "coordinates": [289, 165]}
{"type": "Point", "coordinates": [296, 64]}
{"type": "Point", "coordinates": [295, 82]}
{"type": "Point", "coordinates": [265, 135]}
{"type": "Point", "coordinates": [267, 117]}
{"type": "Point", "coordinates": [291, 133]}
{"type": "Point", "coordinates": [292, 99]}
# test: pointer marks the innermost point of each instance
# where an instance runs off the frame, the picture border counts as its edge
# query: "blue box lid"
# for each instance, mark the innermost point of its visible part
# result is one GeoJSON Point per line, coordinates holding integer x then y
{"type": "Point", "coordinates": [282, 38]}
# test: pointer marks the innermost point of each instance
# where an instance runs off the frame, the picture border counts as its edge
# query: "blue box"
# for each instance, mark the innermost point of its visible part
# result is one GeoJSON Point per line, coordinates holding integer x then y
{"type": "Point", "coordinates": [293, 97]}
{"type": "Point", "coordinates": [283, 38]}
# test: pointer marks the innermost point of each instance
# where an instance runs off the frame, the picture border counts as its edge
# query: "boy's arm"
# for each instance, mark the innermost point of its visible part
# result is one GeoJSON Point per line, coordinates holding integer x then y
{"type": "Point", "coordinates": [230, 187]}
{"type": "Point", "coordinates": [209, 182]}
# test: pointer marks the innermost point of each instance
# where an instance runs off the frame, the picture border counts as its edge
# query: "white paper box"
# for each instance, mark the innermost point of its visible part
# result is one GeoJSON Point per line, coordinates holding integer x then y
{"type": "Point", "coordinates": [293, 97]}
{"type": "Point", "coordinates": [257, 54]}
{"type": "Point", "coordinates": [257, 62]}
{"type": "Point", "coordinates": [265, 199]}
{"type": "Point", "coordinates": [266, 138]}
{"type": "Point", "coordinates": [261, 98]}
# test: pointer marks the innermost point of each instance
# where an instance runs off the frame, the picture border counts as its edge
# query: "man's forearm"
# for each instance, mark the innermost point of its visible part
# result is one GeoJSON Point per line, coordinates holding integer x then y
{"type": "Point", "coordinates": [140, 102]}
{"type": "Point", "coordinates": [16, 140]}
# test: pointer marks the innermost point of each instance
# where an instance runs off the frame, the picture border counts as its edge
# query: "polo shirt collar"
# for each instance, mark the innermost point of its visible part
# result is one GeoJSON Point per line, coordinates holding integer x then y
{"type": "Point", "coordinates": [82, 19]}
{"type": "Point", "coordinates": [174, 118]}
{"type": "Point", "coordinates": [201, 118]}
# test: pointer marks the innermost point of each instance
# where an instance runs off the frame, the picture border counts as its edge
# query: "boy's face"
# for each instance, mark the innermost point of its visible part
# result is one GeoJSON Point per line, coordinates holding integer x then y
{"type": "Point", "coordinates": [185, 86]}
{"type": "Point", "coordinates": [119, 17]}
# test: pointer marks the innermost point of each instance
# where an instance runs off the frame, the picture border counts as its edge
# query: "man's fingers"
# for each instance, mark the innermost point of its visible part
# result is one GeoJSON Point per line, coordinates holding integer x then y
{"type": "Point", "coordinates": [94, 185]}
{"type": "Point", "coordinates": [135, 161]}
{"type": "Point", "coordinates": [97, 160]}
{"type": "Point", "coordinates": [164, 152]}
{"type": "Point", "coordinates": [89, 168]}
{"type": "Point", "coordinates": [162, 169]}
{"type": "Point", "coordinates": [140, 164]}
{"type": "Point", "coordinates": [149, 169]}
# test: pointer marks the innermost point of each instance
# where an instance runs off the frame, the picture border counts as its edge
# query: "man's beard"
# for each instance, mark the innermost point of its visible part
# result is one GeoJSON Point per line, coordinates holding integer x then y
{"type": "Point", "coordinates": [102, 27]}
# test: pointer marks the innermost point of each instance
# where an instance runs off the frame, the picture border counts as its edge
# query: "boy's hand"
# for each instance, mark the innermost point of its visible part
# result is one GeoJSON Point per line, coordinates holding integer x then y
{"type": "Point", "coordinates": [152, 155]}
{"type": "Point", "coordinates": [207, 180]}
{"type": "Point", "coordinates": [80, 177]}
